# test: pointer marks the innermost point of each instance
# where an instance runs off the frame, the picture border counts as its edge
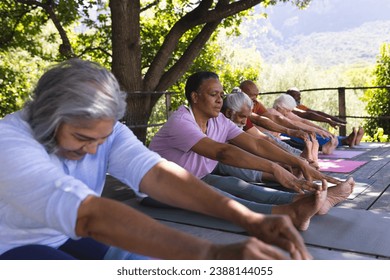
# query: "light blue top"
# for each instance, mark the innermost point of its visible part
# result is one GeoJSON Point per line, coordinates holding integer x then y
{"type": "Point", "coordinates": [40, 193]}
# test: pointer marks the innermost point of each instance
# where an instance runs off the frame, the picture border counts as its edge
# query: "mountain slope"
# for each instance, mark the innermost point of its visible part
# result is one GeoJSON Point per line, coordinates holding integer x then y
{"type": "Point", "coordinates": [330, 32]}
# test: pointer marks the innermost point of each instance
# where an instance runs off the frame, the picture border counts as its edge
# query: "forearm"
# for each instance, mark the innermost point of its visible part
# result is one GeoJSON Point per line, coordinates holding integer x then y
{"type": "Point", "coordinates": [309, 123]}
{"type": "Point", "coordinates": [116, 224]}
{"type": "Point", "coordinates": [268, 124]}
{"type": "Point", "coordinates": [273, 152]}
{"type": "Point", "coordinates": [332, 118]}
{"type": "Point", "coordinates": [314, 116]}
{"type": "Point", "coordinates": [306, 127]}
{"type": "Point", "coordinates": [283, 121]}
{"type": "Point", "coordinates": [171, 184]}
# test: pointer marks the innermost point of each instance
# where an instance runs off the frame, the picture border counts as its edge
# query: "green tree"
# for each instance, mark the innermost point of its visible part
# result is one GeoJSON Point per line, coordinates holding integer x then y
{"type": "Point", "coordinates": [378, 100]}
{"type": "Point", "coordinates": [144, 55]}
{"type": "Point", "coordinates": [231, 64]}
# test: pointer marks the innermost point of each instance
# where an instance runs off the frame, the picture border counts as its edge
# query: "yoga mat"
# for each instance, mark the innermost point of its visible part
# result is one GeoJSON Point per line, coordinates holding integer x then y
{"type": "Point", "coordinates": [220, 237]}
{"type": "Point", "coordinates": [341, 154]}
{"type": "Point", "coordinates": [352, 230]}
{"type": "Point", "coordinates": [339, 165]}
{"type": "Point", "coordinates": [185, 217]}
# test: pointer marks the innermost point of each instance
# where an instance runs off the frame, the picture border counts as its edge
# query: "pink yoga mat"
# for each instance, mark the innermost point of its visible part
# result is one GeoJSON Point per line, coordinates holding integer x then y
{"type": "Point", "coordinates": [342, 154]}
{"type": "Point", "coordinates": [339, 165]}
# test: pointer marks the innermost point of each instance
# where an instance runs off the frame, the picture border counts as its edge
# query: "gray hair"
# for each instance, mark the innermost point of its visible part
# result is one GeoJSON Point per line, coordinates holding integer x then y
{"type": "Point", "coordinates": [70, 91]}
{"type": "Point", "coordinates": [237, 99]}
{"type": "Point", "coordinates": [285, 101]}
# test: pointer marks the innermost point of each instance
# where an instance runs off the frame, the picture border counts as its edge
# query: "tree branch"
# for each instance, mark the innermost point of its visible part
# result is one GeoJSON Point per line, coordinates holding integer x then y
{"type": "Point", "coordinates": [156, 69]}
{"type": "Point", "coordinates": [200, 15]}
{"type": "Point", "coordinates": [193, 50]}
{"type": "Point", "coordinates": [65, 48]}
{"type": "Point", "coordinates": [147, 7]}
{"type": "Point", "coordinates": [86, 50]}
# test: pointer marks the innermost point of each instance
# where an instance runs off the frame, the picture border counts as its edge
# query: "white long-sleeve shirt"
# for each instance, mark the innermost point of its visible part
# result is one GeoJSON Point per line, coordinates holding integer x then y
{"type": "Point", "coordinates": [40, 193]}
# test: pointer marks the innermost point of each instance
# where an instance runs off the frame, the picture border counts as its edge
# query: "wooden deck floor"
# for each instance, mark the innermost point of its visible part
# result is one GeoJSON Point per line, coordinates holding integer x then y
{"type": "Point", "coordinates": [375, 196]}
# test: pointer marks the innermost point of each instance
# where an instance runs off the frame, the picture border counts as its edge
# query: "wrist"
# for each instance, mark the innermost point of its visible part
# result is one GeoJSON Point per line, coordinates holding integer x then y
{"type": "Point", "coordinates": [296, 161]}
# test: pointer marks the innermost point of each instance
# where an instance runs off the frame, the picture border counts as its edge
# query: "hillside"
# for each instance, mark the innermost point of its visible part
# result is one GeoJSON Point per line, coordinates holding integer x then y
{"type": "Point", "coordinates": [331, 32]}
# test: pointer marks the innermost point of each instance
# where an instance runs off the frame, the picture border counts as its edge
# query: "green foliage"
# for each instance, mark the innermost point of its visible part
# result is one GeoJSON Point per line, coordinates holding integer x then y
{"type": "Point", "coordinates": [378, 136]}
{"type": "Point", "coordinates": [230, 62]}
{"type": "Point", "coordinates": [157, 21]}
{"type": "Point", "coordinates": [20, 67]}
{"type": "Point", "coordinates": [17, 79]}
{"type": "Point", "coordinates": [378, 100]}
{"type": "Point", "coordinates": [308, 75]}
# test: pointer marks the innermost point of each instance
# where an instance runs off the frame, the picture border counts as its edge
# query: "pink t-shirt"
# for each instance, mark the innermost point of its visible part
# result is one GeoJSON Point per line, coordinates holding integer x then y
{"type": "Point", "coordinates": [180, 133]}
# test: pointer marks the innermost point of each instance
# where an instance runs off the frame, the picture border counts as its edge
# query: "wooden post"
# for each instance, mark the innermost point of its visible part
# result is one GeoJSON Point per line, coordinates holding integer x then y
{"type": "Point", "coordinates": [168, 105]}
{"type": "Point", "coordinates": [342, 110]}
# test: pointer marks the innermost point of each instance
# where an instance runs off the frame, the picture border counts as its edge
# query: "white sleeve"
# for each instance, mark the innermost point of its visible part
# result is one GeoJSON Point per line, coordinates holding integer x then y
{"type": "Point", "coordinates": [37, 189]}
{"type": "Point", "coordinates": [129, 159]}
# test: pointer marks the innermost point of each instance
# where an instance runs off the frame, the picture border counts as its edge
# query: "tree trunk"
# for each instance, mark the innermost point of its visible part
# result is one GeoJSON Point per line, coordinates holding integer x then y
{"type": "Point", "coordinates": [126, 63]}
{"type": "Point", "coordinates": [139, 108]}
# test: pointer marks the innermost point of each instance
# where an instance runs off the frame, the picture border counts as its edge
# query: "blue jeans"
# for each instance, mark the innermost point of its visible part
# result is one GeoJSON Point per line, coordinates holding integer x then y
{"type": "Point", "coordinates": [81, 249]}
{"type": "Point", "coordinates": [256, 198]}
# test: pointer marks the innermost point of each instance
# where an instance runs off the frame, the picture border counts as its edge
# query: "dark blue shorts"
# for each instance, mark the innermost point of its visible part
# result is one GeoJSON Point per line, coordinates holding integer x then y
{"type": "Point", "coordinates": [81, 249]}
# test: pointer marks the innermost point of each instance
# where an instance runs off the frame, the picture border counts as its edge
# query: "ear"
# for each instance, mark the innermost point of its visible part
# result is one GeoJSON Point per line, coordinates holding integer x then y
{"type": "Point", "coordinates": [228, 113]}
{"type": "Point", "coordinates": [194, 97]}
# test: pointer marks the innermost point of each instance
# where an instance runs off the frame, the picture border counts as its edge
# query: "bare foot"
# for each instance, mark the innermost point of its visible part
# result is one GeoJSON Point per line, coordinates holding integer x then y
{"type": "Point", "coordinates": [337, 194]}
{"type": "Point", "coordinates": [306, 153]}
{"type": "Point", "coordinates": [350, 140]}
{"type": "Point", "coordinates": [303, 208]}
{"type": "Point", "coordinates": [359, 135]}
{"type": "Point", "coordinates": [315, 147]}
{"type": "Point", "coordinates": [330, 146]}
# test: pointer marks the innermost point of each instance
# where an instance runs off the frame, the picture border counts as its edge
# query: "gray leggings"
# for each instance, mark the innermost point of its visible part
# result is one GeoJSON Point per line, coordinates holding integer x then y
{"type": "Point", "coordinates": [284, 145]}
{"type": "Point", "coordinates": [257, 198]}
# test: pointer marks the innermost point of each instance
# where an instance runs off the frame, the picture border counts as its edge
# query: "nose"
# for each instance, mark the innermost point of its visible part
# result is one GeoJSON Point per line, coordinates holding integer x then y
{"type": "Point", "coordinates": [91, 147]}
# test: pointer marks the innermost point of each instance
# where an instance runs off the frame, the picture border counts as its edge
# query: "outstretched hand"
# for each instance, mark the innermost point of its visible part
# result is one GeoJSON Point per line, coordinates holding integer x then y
{"type": "Point", "coordinates": [311, 174]}
{"type": "Point", "coordinates": [279, 231]}
{"type": "Point", "coordinates": [250, 249]}
{"type": "Point", "coordinates": [290, 181]}
{"type": "Point", "coordinates": [298, 133]}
